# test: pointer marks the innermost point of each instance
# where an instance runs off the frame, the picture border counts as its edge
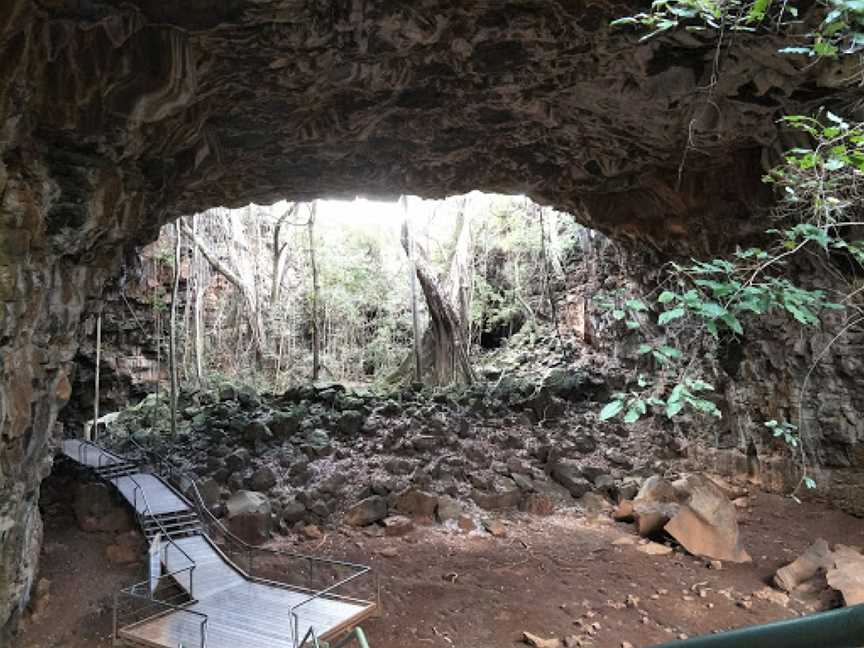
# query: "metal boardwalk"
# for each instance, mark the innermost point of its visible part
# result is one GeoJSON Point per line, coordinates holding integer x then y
{"type": "Point", "coordinates": [201, 597]}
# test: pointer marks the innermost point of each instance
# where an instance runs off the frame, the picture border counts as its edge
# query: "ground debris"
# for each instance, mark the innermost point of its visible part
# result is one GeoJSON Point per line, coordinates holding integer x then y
{"type": "Point", "coordinates": [538, 642]}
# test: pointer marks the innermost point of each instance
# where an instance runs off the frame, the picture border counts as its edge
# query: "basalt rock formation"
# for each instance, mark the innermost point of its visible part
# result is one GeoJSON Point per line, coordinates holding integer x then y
{"type": "Point", "coordinates": [115, 117]}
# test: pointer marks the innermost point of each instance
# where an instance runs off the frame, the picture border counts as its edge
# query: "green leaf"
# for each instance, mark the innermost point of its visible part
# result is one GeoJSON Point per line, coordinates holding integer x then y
{"type": "Point", "coordinates": [666, 297]}
{"type": "Point", "coordinates": [611, 410]}
{"type": "Point", "coordinates": [670, 315]}
{"type": "Point", "coordinates": [644, 348]}
{"type": "Point", "coordinates": [732, 322]}
{"type": "Point", "coordinates": [673, 408]}
{"type": "Point", "coordinates": [757, 11]}
{"type": "Point", "coordinates": [632, 325]}
{"type": "Point", "coordinates": [809, 483]}
{"type": "Point", "coordinates": [670, 352]}
{"type": "Point", "coordinates": [618, 314]}
{"type": "Point", "coordinates": [636, 305]}
{"type": "Point", "coordinates": [631, 416]}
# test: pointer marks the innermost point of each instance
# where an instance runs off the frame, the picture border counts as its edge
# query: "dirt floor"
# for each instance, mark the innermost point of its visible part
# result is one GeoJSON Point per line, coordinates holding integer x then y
{"type": "Point", "coordinates": [557, 576]}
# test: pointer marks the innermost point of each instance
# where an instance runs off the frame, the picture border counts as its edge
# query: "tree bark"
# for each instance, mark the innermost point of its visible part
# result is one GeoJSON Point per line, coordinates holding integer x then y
{"type": "Point", "coordinates": [195, 275]}
{"type": "Point", "coordinates": [412, 277]}
{"type": "Point", "coordinates": [172, 338]}
{"type": "Point", "coordinates": [316, 341]}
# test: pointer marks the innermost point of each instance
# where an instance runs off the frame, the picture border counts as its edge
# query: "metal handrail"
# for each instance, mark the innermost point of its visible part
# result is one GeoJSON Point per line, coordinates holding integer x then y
{"type": "Point", "coordinates": [159, 524]}
{"type": "Point", "coordinates": [131, 593]}
{"type": "Point", "coordinates": [201, 507]}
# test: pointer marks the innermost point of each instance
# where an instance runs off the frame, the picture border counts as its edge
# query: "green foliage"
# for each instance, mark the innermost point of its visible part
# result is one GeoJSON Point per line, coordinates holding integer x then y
{"type": "Point", "coordinates": [821, 198]}
{"type": "Point", "coordinates": [840, 32]}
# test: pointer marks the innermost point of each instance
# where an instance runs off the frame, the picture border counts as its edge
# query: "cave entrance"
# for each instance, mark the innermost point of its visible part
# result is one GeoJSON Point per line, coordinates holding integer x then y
{"type": "Point", "coordinates": [259, 286]}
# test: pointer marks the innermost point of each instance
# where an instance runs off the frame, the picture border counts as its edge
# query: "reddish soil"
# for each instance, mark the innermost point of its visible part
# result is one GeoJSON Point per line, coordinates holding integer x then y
{"type": "Point", "coordinates": [552, 576]}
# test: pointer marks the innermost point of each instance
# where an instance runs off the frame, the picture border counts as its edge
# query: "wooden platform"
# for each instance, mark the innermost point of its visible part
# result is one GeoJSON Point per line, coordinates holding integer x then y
{"type": "Point", "coordinates": [241, 612]}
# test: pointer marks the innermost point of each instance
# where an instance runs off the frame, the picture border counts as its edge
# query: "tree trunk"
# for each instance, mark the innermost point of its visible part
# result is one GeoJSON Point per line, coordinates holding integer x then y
{"type": "Point", "coordinates": [444, 355]}
{"type": "Point", "coordinates": [316, 341]}
{"type": "Point", "coordinates": [412, 276]}
{"type": "Point", "coordinates": [251, 310]}
{"type": "Point", "coordinates": [195, 273]}
{"type": "Point", "coordinates": [172, 338]}
{"type": "Point", "coordinates": [547, 282]}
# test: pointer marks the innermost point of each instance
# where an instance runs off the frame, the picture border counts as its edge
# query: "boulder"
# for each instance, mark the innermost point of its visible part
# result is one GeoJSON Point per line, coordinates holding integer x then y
{"type": "Point", "coordinates": [657, 502]}
{"type": "Point", "coordinates": [847, 574]}
{"type": "Point", "coordinates": [257, 432]}
{"type": "Point", "coordinates": [366, 512]}
{"type": "Point", "coordinates": [249, 516]}
{"type": "Point", "coordinates": [238, 460]}
{"type": "Point", "coordinates": [397, 525]}
{"type": "Point", "coordinates": [569, 475]}
{"type": "Point", "coordinates": [293, 511]}
{"type": "Point", "coordinates": [318, 444]}
{"type": "Point", "coordinates": [595, 504]}
{"type": "Point", "coordinates": [504, 493]}
{"type": "Point", "coordinates": [537, 504]}
{"type": "Point", "coordinates": [283, 424]}
{"type": "Point", "coordinates": [706, 523]}
{"type": "Point", "coordinates": [817, 557]}
{"type": "Point", "coordinates": [210, 491]}
{"type": "Point", "coordinates": [262, 479]}
{"type": "Point", "coordinates": [416, 503]}
{"type": "Point", "coordinates": [623, 512]}
{"type": "Point", "coordinates": [448, 509]}
{"type": "Point", "coordinates": [350, 423]}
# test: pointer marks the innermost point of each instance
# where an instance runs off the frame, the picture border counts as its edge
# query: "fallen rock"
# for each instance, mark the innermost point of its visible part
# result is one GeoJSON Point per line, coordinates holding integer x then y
{"type": "Point", "coordinates": [312, 532]}
{"type": "Point", "coordinates": [657, 502]}
{"type": "Point", "coordinates": [624, 541]}
{"type": "Point", "coordinates": [397, 525]}
{"type": "Point", "coordinates": [707, 524]}
{"type": "Point", "coordinates": [448, 509]}
{"type": "Point", "coordinates": [654, 549]}
{"type": "Point", "coordinates": [367, 511]}
{"type": "Point", "coordinates": [416, 503]}
{"type": "Point", "coordinates": [806, 566]}
{"type": "Point", "coordinates": [538, 642]}
{"type": "Point", "coordinates": [623, 512]}
{"type": "Point", "coordinates": [847, 574]}
{"type": "Point", "coordinates": [262, 479]}
{"type": "Point", "coordinates": [503, 494]}
{"type": "Point", "coordinates": [249, 516]}
{"type": "Point", "coordinates": [772, 596]}
{"type": "Point", "coordinates": [495, 528]}
{"type": "Point", "coordinates": [569, 475]}
{"type": "Point", "coordinates": [537, 504]}
{"type": "Point", "coordinates": [595, 504]}
{"type": "Point", "coordinates": [293, 511]}
{"type": "Point", "coordinates": [466, 523]}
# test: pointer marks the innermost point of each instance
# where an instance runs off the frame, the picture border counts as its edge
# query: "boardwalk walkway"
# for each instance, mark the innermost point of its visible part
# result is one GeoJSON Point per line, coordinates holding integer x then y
{"type": "Point", "coordinates": [224, 607]}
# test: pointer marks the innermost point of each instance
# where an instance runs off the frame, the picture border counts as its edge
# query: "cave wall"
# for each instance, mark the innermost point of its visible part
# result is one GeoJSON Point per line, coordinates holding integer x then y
{"type": "Point", "coordinates": [115, 117]}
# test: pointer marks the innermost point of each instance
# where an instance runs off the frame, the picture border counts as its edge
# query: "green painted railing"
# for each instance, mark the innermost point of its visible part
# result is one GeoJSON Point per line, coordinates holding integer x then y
{"type": "Point", "coordinates": [843, 628]}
